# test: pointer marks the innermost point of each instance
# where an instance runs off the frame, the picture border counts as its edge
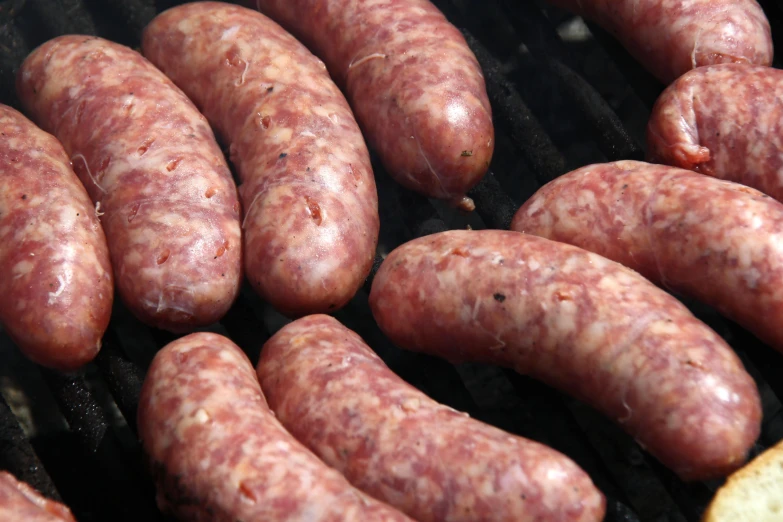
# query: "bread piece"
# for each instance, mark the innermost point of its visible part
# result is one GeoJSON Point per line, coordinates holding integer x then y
{"type": "Point", "coordinates": [753, 493]}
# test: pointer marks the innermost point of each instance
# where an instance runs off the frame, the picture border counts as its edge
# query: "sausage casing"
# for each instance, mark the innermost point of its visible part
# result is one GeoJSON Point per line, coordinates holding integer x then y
{"type": "Point", "coordinates": [671, 37]}
{"type": "Point", "coordinates": [20, 502]}
{"type": "Point", "coordinates": [311, 207]}
{"type": "Point", "coordinates": [413, 82]}
{"type": "Point", "coordinates": [583, 324]}
{"type": "Point", "coordinates": [339, 399]}
{"type": "Point", "coordinates": [722, 121]}
{"type": "Point", "coordinates": [57, 289]}
{"type": "Point", "coordinates": [150, 162]}
{"type": "Point", "coordinates": [713, 240]}
{"type": "Point", "coordinates": [217, 452]}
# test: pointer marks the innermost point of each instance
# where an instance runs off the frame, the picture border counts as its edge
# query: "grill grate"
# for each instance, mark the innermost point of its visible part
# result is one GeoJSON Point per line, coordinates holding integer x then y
{"type": "Point", "coordinates": [576, 110]}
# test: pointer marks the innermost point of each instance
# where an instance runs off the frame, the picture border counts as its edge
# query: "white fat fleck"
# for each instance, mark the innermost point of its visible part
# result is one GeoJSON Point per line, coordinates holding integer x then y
{"type": "Point", "coordinates": [54, 295]}
{"type": "Point", "coordinates": [229, 33]}
{"type": "Point", "coordinates": [308, 134]}
{"type": "Point", "coordinates": [21, 269]}
{"type": "Point", "coordinates": [751, 277]}
{"type": "Point", "coordinates": [98, 211]}
{"type": "Point", "coordinates": [202, 416]}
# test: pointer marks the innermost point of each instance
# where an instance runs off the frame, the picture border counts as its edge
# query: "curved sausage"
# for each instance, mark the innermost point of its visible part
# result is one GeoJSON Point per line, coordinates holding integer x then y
{"type": "Point", "coordinates": [583, 324]}
{"type": "Point", "coordinates": [717, 241]}
{"type": "Point", "coordinates": [57, 289]}
{"type": "Point", "coordinates": [390, 440]}
{"type": "Point", "coordinates": [415, 86]}
{"type": "Point", "coordinates": [671, 37]}
{"type": "Point", "coordinates": [150, 162]}
{"type": "Point", "coordinates": [723, 121]}
{"type": "Point", "coordinates": [19, 501]}
{"type": "Point", "coordinates": [311, 208]}
{"type": "Point", "coordinates": [218, 453]}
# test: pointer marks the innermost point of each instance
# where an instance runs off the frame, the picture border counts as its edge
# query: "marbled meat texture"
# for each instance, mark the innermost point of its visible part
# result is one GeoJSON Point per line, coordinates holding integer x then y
{"type": "Point", "coordinates": [413, 82]}
{"type": "Point", "coordinates": [311, 206]}
{"type": "Point", "coordinates": [20, 502]}
{"type": "Point", "coordinates": [57, 288]}
{"type": "Point", "coordinates": [725, 121]}
{"type": "Point", "coordinates": [583, 324]}
{"type": "Point", "coordinates": [150, 162]}
{"type": "Point", "coordinates": [338, 398]}
{"type": "Point", "coordinates": [671, 37]}
{"type": "Point", "coordinates": [714, 240]}
{"type": "Point", "coordinates": [218, 454]}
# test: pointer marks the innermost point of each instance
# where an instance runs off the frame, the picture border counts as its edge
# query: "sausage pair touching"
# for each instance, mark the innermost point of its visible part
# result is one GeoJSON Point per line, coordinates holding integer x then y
{"type": "Point", "coordinates": [583, 324]}
{"type": "Point", "coordinates": [218, 453]}
{"type": "Point", "coordinates": [56, 290]}
{"type": "Point", "coordinates": [723, 121]}
{"type": "Point", "coordinates": [671, 37]}
{"type": "Point", "coordinates": [713, 240]}
{"type": "Point", "coordinates": [415, 86]}
{"type": "Point", "coordinates": [390, 440]}
{"type": "Point", "coordinates": [217, 450]}
{"type": "Point", "coordinates": [150, 163]}
{"type": "Point", "coordinates": [311, 208]}
{"type": "Point", "coordinates": [20, 502]}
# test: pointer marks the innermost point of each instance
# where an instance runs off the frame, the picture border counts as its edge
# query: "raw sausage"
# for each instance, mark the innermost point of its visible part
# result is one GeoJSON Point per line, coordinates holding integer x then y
{"type": "Point", "coordinates": [20, 502]}
{"type": "Point", "coordinates": [723, 121]}
{"type": "Point", "coordinates": [390, 440]}
{"type": "Point", "coordinates": [671, 37]}
{"type": "Point", "coordinates": [583, 324]}
{"type": "Point", "coordinates": [150, 163]}
{"type": "Point", "coordinates": [718, 241]}
{"type": "Point", "coordinates": [56, 291]}
{"type": "Point", "coordinates": [413, 82]}
{"type": "Point", "coordinates": [311, 207]}
{"type": "Point", "coordinates": [217, 452]}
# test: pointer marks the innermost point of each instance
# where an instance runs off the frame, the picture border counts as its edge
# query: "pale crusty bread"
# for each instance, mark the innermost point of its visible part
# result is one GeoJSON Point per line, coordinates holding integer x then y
{"type": "Point", "coordinates": [753, 493]}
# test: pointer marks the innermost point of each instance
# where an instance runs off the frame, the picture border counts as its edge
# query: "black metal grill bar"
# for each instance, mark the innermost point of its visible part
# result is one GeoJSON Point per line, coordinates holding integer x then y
{"type": "Point", "coordinates": [18, 456]}
{"type": "Point", "coordinates": [544, 44]}
{"type": "Point", "coordinates": [123, 377]}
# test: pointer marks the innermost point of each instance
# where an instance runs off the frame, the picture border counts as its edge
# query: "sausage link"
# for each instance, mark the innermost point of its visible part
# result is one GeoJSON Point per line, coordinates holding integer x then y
{"type": "Point", "coordinates": [311, 207]}
{"type": "Point", "coordinates": [583, 324]}
{"type": "Point", "coordinates": [57, 288]}
{"type": "Point", "coordinates": [717, 241]}
{"type": "Point", "coordinates": [150, 163]}
{"type": "Point", "coordinates": [217, 452]}
{"type": "Point", "coordinates": [671, 37]}
{"type": "Point", "coordinates": [723, 121]}
{"type": "Point", "coordinates": [20, 502]}
{"type": "Point", "coordinates": [413, 82]}
{"type": "Point", "coordinates": [390, 440]}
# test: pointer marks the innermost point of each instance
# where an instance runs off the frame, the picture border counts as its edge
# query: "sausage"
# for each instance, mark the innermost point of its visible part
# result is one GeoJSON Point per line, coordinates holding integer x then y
{"type": "Point", "coordinates": [19, 501]}
{"type": "Point", "coordinates": [311, 207]}
{"type": "Point", "coordinates": [679, 229]}
{"type": "Point", "coordinates": [580, 323]}
{"type": "Point", "coordinates": [390, 440]}
{"type": "Point", "coordinates": [722, 121]}
{"type": "Point", "coordinates": [671, 37]}
{"type": "Point", "coordinates": [217, 452]}
{"type": "Point", "coordinates": [151, 165]}
{"type": "Point", "coordinates": [413, 82]}
{"type": "Point", "coordinates": [57, 287]}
